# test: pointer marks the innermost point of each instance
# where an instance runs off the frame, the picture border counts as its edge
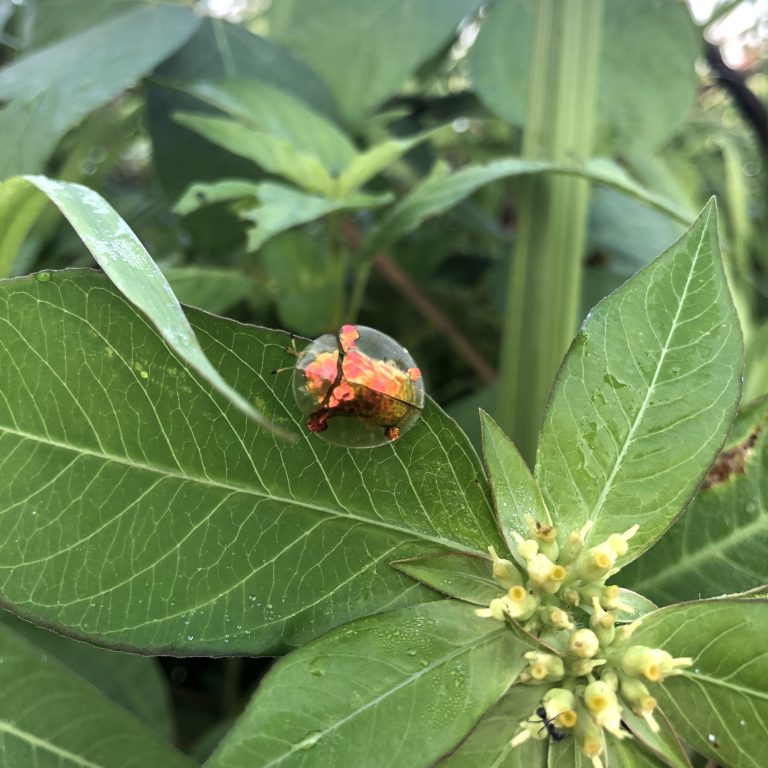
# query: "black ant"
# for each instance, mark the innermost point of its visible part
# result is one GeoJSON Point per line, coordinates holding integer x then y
{"type": "Point", "coordinates": [549, 724]}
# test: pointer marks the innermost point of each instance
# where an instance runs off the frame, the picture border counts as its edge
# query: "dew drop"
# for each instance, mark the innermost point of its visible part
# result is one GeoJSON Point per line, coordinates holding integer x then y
{"type": "Point", "coordinates": [190, 637]}
{"type": "Point", "coordinates": [711, 738]}
{"type": "Point", "coordinates": [411, 651]}
{"type": "Point", "coordinates": [43, 277]}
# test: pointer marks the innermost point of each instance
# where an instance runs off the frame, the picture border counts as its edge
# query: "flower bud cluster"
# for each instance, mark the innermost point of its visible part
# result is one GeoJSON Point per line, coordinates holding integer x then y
{"type": "Point", "coordinates": [558, 596]}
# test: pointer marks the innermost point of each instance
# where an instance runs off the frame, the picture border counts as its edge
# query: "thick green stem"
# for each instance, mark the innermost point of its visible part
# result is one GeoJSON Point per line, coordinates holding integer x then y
{"type": "Point", "coordinates": [545, 280]}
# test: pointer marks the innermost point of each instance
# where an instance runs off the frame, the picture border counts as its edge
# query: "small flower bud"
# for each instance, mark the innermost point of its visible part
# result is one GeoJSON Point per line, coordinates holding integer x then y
{"type": "Point", "coordinates": [584, 667]}
{"type": "Point", "coordinates": [572, 597]}
{"type": "Point", "coordinates": [653, 664]}
{"type": "Point", "coordinates": [557, 618]}
{"type": "Point", "coordinates": [519, 603]}
{"type": "Point", "coordinates": [572, 548]}
{"type": "Point", "coordinates": [595, 563]}
{"type": "Point", "coordinates": [588, 736]}
{"type": "Point", "coordinates": [603, 624]}
{"type": "Point", "coordinates": [504, 571]}
{"type": "Point", "coordinates": [604, 707]}
{"type": "Point", "coordinates": [640, 701]}
{"type": "Point", "coordinates": [584, 643]}
{"type": "Point", "coordinates": [545, 666]}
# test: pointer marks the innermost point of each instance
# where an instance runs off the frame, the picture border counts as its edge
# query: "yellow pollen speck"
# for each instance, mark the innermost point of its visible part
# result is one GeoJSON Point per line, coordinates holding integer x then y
{"type": "Point", "coordinates": [538, 672]}
{"type": "Point", "coordinates": [567, 718]}
{"type": "Point", "coordinates": [598, 703]}
{"type": "Point", "coordinates": [602, 560]}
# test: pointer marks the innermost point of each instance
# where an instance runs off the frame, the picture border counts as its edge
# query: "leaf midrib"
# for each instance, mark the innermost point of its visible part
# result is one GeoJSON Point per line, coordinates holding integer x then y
{"type": "Point", "coordinates": [391, 691]}
{"type": "Point", "coordinates": [219, 484]}
{"type": "Point", "coordinates": [38, 743]}
{"type": "Point", "coordinates": [596, 510]}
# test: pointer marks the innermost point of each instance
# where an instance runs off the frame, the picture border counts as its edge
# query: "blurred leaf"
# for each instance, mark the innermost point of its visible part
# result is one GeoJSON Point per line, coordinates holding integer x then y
{"type": "Point", "coordinates": [303, 283]}
{"type": "Point", "coordinates": [719, 705]}
{"type": "Point", "coordinates": [406, 685]}
{"type": "Point", "coordinates": [123, 258]}
{"type": "Point", "coordinates": [756, 373]}
{"type": "Point", "coordinates": [214, 290]}
{"type": "Point", "coordinates": [218, 51]}
{"type": "Point", "coordinates": [466, 411]}
{"type": "Point", "coordinates": [665, 742]}
{"type": "Point", "coordinates": [274, 155]}
{"type": "Point", "coordinates": [719, 544]}
{"type": "Point", "coordinates": [624, 235]}
{"type": "Point", "coordinates": [374, 46]}
{"type": "Point", "coordinates": [643, 47]}
{"type": "Point", "coordinates": [276, 209]}
{"type": "Point", "coordinates": [645, 396]}
{"type": "Point", "coordinates": [50, 717]}
{"type": "Point", "coordinates": [239, 542]}
{"type": "Point", "coordinates": [466, 577]}
{"type": "Point", "coordinates": [133, 682]}
{"type": "Point", "coordinates": [281, 115]}
{"type": "Point", "coordinates": [515, 493]}
{"type": "Point", "coordinates": [443, 189]}
{"type": "Point", "coordinates": [46, 21]}
{"type": "Point", "coordinates": [51, 90]}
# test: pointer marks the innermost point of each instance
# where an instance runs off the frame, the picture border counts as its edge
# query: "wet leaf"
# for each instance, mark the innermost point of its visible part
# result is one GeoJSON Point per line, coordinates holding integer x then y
{"type": "Point", "coordinates": [719, 544]}
{"type": "Point", "coordinates": [466, 577]}
{"type": "Point", "coordinates": [645, 396]}
{"type": "Point", "coordinates": [514, 489]}
{"type": "Point", "coordinates": [407, 684]}
{"type": "Point", "coordinates": [160, 517]}
{"type": "Point", "coordinates": [719, 706]}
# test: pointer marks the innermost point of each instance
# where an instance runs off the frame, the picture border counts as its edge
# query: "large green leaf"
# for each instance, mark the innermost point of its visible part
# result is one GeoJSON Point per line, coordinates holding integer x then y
{"type": "Point", "coordinates": [443, 189]}
{"type": "Point", "coordinates": [515, 492]}
{"type": "Point", "coordinates": [374, 46]}
{"type": "Point", "coordinates": [645, 396]}
{"type": "Point", "coordinates": [141, 509]}
{"type": "Point", "coordinates": [51, 718]}
{"type": "Point", "coordinates": [51, 90]}
{"type": "Point", "coordinates": [488, 744]}
{"type": "Point", "coordinates": [218, 51]}
{"type": "Point", "coordinates": [405, 687]}
{"type": "Point", "coordinates": [134, 682]}
{"type": "Point", "coordinates": [720, 705]}
{"type": "Point", "coordinates": [275, 155]}
{"type": "Point", "coordinates": [122, 256]}
{"type": "Point", "coordinates": [719, 545]}
{"type": "Point", "coordinates": [642, 45]}
{"type": "Point", "coordinates": [281, 115]}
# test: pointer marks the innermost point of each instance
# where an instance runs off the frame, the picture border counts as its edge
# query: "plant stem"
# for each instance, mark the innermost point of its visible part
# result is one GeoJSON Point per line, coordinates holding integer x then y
{"type": "Point", "coordinates": [545, 279]}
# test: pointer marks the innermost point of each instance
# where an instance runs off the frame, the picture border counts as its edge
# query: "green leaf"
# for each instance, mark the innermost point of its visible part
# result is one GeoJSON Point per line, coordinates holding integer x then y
{"type": "Point", "coordinates": [123, 258]}
{"type": "Point", "coordinates": [218, 51]}
{"type": "Point", "coordinates": [639, 604]}
{"type": "Point", "coordinates": [166, 520]}
{"type": "Point", "coordinates": [466, 577]}
{"type": "Point", "coordinates": [303, 283]}
{"type": "Point", "coordinates": [374, 46]}
{"type": "Point", "coordinates": [50, 717]}
{"type": "Point", "coordinates": [51, 90]}
{"type": "Point", "coordinates": [214, 290]}
{"type": "Point", "coordinates": [443, 189]}
{"type": "Point", "coordinates": [645, 396]}
{"type": "Point", "coordinates": [515, 491]}
{"type": "Point", "coordinates": [488, 744]}
{"type": "Point", "coordinates": [133, 682]}
{"type": "Point", "coordinates": [664, 744]}
{"type": "Point", "coordinates": [719, 544]}
{"type": "Point", "coordinates": [281, 115]}
{"type": "Point", "coordinates": [640, 48]}
{"type": "Point", "coordinates": [277, 207]}
{"type": "Point", "coordinates": [273, 154]}
{"type": "Point", "coordinates": [720, 705]}
{"type": "Point", "coordinates": [406, 685]}
{"type": "Point", "coordinates": [365, 165]}
{"type": "Point", "coordinates": [280, 208]}
{"type": "Point", "coordinates": [628, 753]}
